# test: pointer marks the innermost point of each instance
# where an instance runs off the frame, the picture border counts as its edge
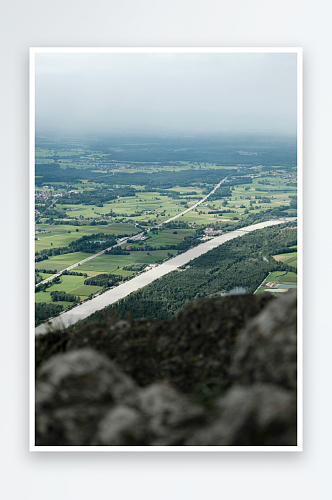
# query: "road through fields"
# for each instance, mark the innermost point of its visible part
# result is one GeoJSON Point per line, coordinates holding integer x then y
{"type": "Point", "coordinates": [124, 240]}
{"type": "Point", "coordinates": [111, 296]}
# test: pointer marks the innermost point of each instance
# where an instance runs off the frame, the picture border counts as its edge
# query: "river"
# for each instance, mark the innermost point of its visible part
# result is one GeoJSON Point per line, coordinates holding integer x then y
{"type": "Point", "coordinates": [111, 296]}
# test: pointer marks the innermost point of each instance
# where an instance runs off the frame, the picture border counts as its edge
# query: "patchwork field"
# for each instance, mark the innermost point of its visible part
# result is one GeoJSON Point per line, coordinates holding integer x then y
{"type": "Point", "coordinates": [115, 263]}
{"type": "Point", "coordinates": [152, 208]}
{"type": "Point", "coordinates": [168, 237]}
{"type": "Point", "coordinates": [86, 290]}
{"type": "Point", "coordinates": [136, 194]}
{"type": "Point", "coordinates": [278, 282]}
{"type": "Point", "coordinates": [287, 258]}
{"type": "Point", "coordinates": [60, 262]}
{"type": "Point", "coordinates": [73, 285]}
{"type": "Point", "coordinates": [61, 235]}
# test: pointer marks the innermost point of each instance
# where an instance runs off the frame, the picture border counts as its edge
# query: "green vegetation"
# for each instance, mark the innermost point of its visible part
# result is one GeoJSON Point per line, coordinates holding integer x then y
{"type": "Point", "coordinates": [277, 281]}
{"type": "Point", "coordinates": [104, 280]}
{"type": "Point", "coordinates": [86, 290]}
{"type": "Point", "coordinates": [45, 271]}
{"type": "Point", "coordinates": [38, 277]}
{"type": "Point", "coordinates": [44, 311]}
{"type": "Point", "coordinates": [63, 297]}
{"type": "Point", "coordinates": [242, 262]}
{"type": "Point", "coordinates": [88, 244]}
{"type": "Point", "coordinates": [135, 267]}
{"type": "Point", "coordinates": [60, 262]}
{"type": "Point", "coordinates": [287, 258]}
{"type": "Point", "coordinates": [89, 195]}
{"type": "Point", "coordinates": [60, 235]}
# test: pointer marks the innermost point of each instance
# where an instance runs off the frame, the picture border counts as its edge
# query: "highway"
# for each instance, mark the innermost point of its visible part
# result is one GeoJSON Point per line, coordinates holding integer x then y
{"type": "Point", "coordinates": [119, 292]}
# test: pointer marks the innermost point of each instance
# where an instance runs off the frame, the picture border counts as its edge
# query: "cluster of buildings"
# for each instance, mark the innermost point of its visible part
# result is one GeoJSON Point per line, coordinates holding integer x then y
{"type": "Point", "coordinates": [146, 212]}
{"type": "Point", "coordinates": [209, 231]}
{"type": "Point", "coordinates": [271, 284]}
{"type": "Point", "coordinates": [43, 195]}
{"type": "Point", "coordinates": [292, 176]}
{"type": "Point", "coordinates": [138, 237]}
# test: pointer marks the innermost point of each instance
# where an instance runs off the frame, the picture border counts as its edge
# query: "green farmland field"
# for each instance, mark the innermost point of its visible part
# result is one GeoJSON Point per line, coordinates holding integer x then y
{"type": "Point", "coordinates": [288, 278]}
{"type": "Point", "coordinates": [113, 263]}
{"type": "Point", "coordinates": [67, 284]}
{"type": "Point", "coordinates": [86, 290]}
{"type": "Point", "coordinates": [287, 258]}
{"type": "Point", "coordinates": [70, 284]}
{"type": "Point", "coordinates": [73, 285]}
{"type": "Point", "coordinates": [279, 277]}
{"type": "Point", "coordinates": [60, 235]}
{"type": "Point", "coordinates": [271, 187]}
{"type": "Point", "coordinates": [167, 237]}
{"type": "Point", "coordinates": [60, 262]}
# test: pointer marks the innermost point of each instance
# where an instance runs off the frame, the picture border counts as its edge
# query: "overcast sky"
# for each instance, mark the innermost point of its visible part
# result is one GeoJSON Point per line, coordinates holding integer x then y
{"type": "Point", "coordinates": [165, 93]}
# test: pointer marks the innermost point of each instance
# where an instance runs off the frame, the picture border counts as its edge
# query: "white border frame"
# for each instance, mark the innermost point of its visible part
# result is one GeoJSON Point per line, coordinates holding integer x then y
{"type": "Point", "coordinates": [137, 50]}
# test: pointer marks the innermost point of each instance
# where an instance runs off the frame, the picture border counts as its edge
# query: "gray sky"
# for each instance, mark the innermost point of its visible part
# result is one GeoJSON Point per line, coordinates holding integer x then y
{"type": "Point", "coordinates": [162, 93]}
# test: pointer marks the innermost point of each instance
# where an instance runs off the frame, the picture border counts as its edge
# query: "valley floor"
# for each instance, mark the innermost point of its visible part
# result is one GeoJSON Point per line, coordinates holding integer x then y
{"type": "Point", "coordinates": [110, 297]}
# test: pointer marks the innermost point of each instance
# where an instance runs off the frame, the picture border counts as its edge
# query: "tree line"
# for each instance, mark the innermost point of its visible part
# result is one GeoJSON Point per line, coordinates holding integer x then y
{"type": "Point", "coordinates": [241, 262]}
{"type": "Point", "coordinates": [104, 280]}
{"type": "Point", "coordinates": [92, 243]}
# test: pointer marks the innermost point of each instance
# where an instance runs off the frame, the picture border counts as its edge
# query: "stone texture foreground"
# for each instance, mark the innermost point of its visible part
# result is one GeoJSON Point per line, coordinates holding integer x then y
{"type": "Point", "coordinates": [222, 374]}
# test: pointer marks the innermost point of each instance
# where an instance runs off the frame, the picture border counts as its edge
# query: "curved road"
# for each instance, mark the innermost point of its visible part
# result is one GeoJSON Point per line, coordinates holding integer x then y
{"type": "Point", "coordinates": [111, 296]}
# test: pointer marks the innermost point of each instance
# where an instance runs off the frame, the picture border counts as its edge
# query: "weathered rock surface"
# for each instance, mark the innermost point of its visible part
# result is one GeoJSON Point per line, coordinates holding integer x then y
{"type": "Point", "coordinates": [196, 346]}
{"type": "Point", "coordinates": [222, 374]}
{"type": "Point", "coordinates": [73, 392]}
{"type": "Point", "coordinates": [170, 415]}
{"type": "Point", "coordinates": [122, 426]}
{"type": "Point", "coordinates": [81, 376]}
{"type": "Point", "coordinates": [262, 414]}
{"type": "Point", "coordinates": [265, 350]}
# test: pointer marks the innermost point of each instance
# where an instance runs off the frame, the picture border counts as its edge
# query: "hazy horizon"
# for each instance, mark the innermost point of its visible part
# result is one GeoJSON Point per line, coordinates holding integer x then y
{"type": "Point", "coordinates": [166, 94]}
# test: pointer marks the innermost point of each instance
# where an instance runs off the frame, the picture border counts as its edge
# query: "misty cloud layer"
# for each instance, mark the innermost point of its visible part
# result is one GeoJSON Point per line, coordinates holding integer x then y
{"type": "Point", "coordinates": [161, 93]}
